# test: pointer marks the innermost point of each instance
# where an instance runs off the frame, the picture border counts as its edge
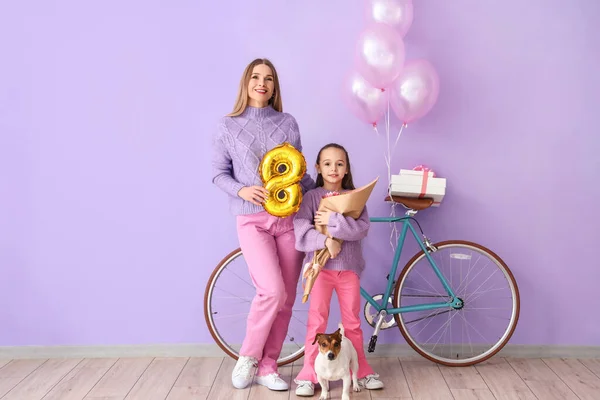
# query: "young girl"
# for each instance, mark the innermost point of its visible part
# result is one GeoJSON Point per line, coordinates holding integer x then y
{"type": "Point", "coordinates": [256, 125]}
{"type": "Point", "coordinates": [342, 272]}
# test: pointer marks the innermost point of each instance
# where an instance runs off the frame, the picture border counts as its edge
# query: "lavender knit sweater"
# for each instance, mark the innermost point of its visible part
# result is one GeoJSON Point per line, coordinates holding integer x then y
{"type": "Point", "coordinates": [350, 230]}
{"type": "Point", "coordinates": [239, 146]}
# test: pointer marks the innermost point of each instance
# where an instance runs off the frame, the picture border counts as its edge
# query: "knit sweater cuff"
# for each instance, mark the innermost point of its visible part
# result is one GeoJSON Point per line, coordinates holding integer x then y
{"type": "Point", "coordinates": [320, 241]}
{"type": "Point", "coordinates": [235, 188]}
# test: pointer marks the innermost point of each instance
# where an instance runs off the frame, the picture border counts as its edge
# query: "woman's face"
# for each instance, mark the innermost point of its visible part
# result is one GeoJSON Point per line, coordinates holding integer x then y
{"type": "Point", "coordinates": [260, 86]}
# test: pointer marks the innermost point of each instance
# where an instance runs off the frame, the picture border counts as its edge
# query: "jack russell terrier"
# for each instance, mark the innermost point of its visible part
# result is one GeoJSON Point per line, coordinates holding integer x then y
{"type": "Point", "coordinates": [337, 359]}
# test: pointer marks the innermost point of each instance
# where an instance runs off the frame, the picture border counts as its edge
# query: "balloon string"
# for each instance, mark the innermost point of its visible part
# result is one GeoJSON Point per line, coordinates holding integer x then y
{"type": "Point", "coordinates": [388, 161]}
{"type": "Point", "coordinates": [399, 133]}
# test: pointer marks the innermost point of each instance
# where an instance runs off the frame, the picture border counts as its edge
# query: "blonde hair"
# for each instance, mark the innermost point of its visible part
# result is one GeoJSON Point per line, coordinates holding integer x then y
{"type": "Point", "coordinates": [241, 101]}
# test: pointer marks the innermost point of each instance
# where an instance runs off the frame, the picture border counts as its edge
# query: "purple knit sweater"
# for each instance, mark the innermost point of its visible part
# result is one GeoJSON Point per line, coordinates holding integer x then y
{"type": "Point", "coordinates": [350, 230]}
{"type": "Point", "coordinates": [239, 146]}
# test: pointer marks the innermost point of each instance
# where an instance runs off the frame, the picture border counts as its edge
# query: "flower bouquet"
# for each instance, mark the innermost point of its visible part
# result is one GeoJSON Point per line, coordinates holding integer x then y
{"type": "Point", "coordinates": [349, 204]}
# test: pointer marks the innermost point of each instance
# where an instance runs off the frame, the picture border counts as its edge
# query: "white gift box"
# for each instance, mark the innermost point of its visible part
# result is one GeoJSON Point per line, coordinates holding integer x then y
{"type": "Point", "coordinates": [417, 184]}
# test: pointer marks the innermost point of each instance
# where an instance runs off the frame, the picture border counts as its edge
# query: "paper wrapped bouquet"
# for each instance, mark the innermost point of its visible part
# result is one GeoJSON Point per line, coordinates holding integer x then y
{"type": "Point", "coordinates": [349, 204]}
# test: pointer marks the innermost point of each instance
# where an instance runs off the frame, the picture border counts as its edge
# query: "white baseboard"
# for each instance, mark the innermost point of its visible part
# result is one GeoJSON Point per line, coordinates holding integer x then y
{"type": "Point", "coordinates": [510, 350]}
{"type": "Point", "coordinates": [112, 351]}
{"type": "Point", "coordinates": [212, 350]}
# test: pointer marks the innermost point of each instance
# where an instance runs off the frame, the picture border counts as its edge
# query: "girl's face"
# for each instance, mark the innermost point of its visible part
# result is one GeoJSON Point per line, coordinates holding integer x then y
{"type": "Point", "coordinates": [333, 166]}
{"type": "Point", "coordinates": [260, 86]}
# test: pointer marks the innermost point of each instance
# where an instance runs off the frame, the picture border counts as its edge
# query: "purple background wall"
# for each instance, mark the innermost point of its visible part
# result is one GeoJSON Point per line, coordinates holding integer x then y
{"type": "Point", "coordinates": [109, 225]}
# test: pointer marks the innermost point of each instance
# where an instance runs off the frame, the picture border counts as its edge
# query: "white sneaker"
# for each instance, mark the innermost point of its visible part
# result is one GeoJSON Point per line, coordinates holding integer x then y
{"type": "Point", "coordinates": [272, 381]}
{"type": "Point", "coordinates": [371, 382]}
{"type": "Point", "coordinates": [305, 388]}
{"type": "Point", "coordinates": [242, 372]}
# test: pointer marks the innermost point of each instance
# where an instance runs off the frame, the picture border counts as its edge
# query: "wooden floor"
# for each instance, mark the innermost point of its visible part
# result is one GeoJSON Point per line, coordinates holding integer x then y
{"type": "Point", "coordinates": [210, 378]}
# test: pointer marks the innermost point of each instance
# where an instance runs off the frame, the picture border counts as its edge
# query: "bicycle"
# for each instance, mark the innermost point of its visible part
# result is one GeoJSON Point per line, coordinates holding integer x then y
{"type": "Point", "coordinates": [447, 299]}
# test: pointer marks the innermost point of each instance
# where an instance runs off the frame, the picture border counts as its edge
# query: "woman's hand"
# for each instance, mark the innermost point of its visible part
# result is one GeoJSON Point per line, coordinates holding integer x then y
{"type": "Point", "coordinates": [254, 194]}
{"type": "Point", "coordinates": [322, 217]}
{"type": "Point", "coordinates": [333, 246]}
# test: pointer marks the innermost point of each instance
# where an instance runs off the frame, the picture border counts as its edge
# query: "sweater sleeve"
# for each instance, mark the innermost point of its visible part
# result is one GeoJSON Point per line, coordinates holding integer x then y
{"type": "Point", "coordinates": [307, 183]}
{"type": "Point", "coordinates": [222, 166]}
{"type": "Point", "coordinates": [348, 228]}
{"type": "Point", "coordinates": [307, 237]}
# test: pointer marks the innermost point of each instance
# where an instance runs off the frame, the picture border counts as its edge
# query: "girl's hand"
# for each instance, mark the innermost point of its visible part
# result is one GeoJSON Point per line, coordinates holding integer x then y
{"type": "Point", "coordinates": [333, 246]}
{"type": "Point", "coordinates": [254, 194]}
{"type": "Point", "coordinates": [322, 217]}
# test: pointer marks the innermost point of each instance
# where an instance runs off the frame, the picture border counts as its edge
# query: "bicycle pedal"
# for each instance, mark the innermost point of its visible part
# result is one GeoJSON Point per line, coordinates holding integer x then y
{"type": "Point", "coordinates": [372, 343]}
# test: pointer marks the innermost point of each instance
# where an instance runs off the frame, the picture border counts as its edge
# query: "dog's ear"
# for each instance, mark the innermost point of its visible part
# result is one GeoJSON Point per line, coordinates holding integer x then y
{"type": "Point", "coordinates": [316, 338]}
{"type": "Point", "coordinates": [337, 335]}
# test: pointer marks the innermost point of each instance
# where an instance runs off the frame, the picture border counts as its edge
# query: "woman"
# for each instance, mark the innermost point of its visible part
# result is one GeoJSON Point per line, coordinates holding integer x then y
{"type": "Point", "coordinates": [256, 125]}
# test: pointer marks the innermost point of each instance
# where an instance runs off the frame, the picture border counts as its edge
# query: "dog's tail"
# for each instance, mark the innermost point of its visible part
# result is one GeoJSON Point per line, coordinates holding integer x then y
{"type": "Point", "coordinates": [341, 328]}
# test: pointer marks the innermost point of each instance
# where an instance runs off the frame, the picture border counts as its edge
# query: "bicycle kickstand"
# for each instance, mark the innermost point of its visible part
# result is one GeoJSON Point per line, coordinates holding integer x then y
{"type": "Point", "coordinates": [373, 340]}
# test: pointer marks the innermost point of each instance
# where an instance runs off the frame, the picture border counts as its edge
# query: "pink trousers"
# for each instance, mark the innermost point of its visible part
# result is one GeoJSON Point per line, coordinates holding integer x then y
{"type": "Point", "coordinates": [347, 287]}
{"type": "Point", "coordinates": [268, 245]}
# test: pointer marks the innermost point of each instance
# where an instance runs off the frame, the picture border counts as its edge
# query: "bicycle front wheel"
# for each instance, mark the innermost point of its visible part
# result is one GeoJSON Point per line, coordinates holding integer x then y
{"type": "Point", "coordinates": [227, 299]}
{"type": "Point", "coordinates": [458, 336]}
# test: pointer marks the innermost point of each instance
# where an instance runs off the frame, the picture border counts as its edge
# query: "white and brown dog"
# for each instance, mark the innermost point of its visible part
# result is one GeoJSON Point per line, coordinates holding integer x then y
{"type": "Point", "coordinates": [337, 359]}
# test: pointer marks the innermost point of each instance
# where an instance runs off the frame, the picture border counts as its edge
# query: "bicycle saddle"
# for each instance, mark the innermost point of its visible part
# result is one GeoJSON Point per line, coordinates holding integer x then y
{"type": "Point", "coordinates": [411, 203]}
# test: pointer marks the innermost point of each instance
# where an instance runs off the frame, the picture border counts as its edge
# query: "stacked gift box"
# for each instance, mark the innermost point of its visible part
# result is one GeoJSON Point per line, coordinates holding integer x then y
{"type": "Point", "coordinates": [419, 182]}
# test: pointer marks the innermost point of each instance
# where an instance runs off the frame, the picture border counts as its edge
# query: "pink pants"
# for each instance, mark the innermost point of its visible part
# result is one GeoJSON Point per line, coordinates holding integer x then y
{"type": "Point", "coordinates": [268, 245]}
{"type": "Point", "coordinates": [347, 287]}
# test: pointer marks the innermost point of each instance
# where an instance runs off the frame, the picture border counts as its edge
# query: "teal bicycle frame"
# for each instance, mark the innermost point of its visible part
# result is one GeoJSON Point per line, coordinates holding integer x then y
{"type": "Point", "coordinates": [455, 302]}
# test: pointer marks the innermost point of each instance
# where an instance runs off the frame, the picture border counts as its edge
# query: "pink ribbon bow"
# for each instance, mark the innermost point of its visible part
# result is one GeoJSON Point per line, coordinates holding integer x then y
{"type": "Point", "coordinates": [424, 168]}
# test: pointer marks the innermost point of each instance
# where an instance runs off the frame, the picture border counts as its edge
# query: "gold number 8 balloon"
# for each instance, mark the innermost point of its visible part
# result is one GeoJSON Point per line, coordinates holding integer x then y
{"type": "Point", "coordinates": [281, 169]}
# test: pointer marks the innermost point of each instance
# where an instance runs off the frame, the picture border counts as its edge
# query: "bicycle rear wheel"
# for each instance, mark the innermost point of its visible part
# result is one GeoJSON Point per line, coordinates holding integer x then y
{"type": "Point", "coordinates": [458, 336]}
{"type": "Point", "coordinates": [227, 299]}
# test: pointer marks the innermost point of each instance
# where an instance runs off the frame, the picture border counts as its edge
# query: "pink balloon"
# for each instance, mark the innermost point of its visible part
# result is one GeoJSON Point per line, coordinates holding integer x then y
{"type": "Point", "coordinates": [415, 91]}
{"type": "Point", "coordinates": [396, 13]}
{"type": "Point", "coordinates": [380, 55]}
{"type": "Point", "coordinates": [366, 102]}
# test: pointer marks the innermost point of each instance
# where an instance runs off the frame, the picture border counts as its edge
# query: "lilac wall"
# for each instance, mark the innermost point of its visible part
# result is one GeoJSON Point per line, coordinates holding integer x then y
{"type": "Point", "coordinates": [108, 220]}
